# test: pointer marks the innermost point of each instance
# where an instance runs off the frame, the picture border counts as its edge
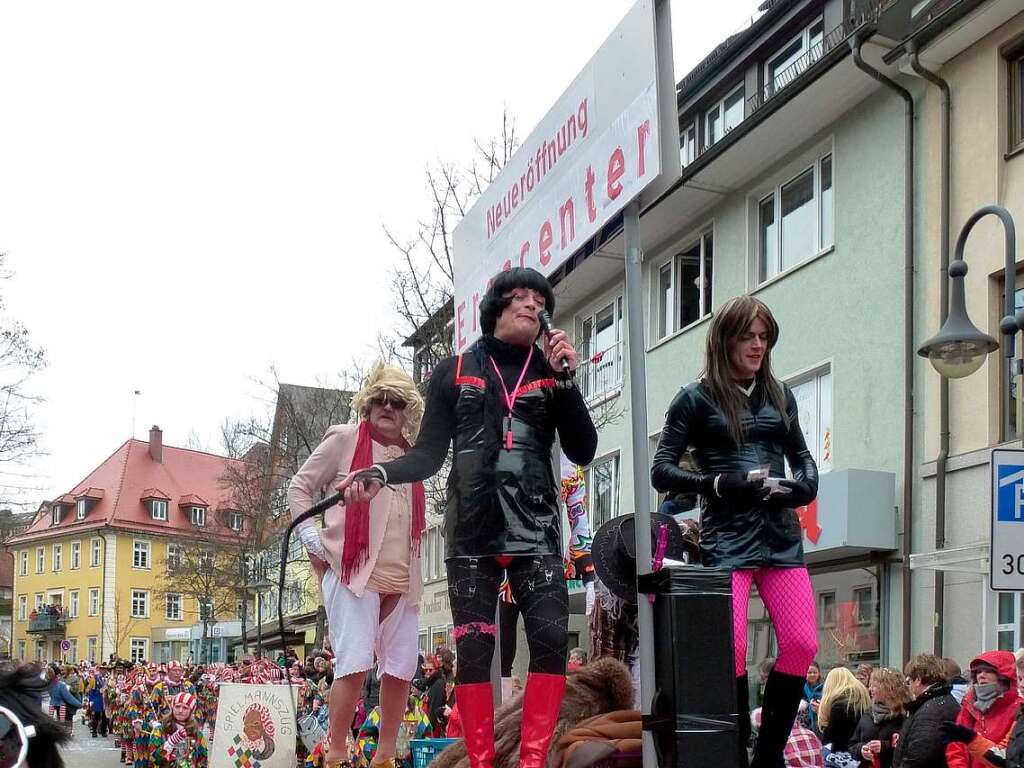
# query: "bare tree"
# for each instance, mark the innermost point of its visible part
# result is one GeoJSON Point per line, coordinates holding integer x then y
{"type": "Point", "coordinates": [20, 359]}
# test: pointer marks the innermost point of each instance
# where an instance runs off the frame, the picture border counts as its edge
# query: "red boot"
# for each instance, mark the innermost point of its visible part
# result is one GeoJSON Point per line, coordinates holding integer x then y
{"type": "Point", "coordinates": [475, 702]}
{"type": "Point", "coordinates": [541, 702]}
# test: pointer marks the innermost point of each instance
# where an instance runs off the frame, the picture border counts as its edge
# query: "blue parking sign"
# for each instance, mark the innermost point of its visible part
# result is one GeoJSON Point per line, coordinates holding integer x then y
{"type": "Point", "coordinates": [1010, 508]}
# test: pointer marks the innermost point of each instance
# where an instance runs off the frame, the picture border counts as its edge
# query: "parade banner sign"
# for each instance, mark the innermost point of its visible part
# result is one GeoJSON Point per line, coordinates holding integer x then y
{"type": "Point", "coordinates": [255, 726]}
{"type": "Point", "coordinates": [594, 151]}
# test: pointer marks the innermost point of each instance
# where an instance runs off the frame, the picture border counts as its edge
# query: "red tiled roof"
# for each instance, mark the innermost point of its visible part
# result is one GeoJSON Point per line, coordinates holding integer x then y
{"type": "Point", "coordinates": [192, 500]}
{"type": "Point", "coordinates": [130, 475]}
{"type": "Point", "coordinates": [90, 493]}
{"type": "Point", "coordinates": [66, 498]}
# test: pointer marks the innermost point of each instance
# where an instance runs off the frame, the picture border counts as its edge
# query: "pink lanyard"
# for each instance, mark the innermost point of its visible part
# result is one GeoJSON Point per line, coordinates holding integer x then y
{"type": "Point", "coordinates": [510, 400]}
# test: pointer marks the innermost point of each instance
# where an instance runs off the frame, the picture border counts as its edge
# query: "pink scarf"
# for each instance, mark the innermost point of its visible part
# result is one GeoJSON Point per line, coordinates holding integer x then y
{"type": "Point", "coordinates": [357, 516]}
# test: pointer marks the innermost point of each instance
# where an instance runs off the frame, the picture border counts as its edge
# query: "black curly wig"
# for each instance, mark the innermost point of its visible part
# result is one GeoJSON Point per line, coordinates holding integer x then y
{"type": "Point", "coordinates": [494, 301]}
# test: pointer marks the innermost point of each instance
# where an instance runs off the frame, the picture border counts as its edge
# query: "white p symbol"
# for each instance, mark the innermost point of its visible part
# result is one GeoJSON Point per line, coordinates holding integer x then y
{"type": "Point", "coordinates": [1018, 501]}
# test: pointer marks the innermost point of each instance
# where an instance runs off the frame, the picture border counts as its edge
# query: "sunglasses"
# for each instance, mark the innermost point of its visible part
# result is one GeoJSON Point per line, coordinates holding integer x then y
{"type": "Point", "coordinates": [395, 402]}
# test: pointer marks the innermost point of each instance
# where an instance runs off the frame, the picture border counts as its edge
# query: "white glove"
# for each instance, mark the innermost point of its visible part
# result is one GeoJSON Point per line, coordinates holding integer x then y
{"type": "Point", "coordinates": [590, 597]}
{"type": "Point", "coordinates": [310, 537]}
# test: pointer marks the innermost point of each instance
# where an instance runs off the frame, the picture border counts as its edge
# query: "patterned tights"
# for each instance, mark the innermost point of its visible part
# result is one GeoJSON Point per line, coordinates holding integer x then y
{"type": "Point", "coordinates": [789, 598]}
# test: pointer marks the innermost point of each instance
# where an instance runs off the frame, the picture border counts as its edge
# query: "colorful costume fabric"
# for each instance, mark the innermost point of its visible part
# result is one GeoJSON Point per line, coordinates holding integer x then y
{"type": "Point", "coordinates": [415, 725]}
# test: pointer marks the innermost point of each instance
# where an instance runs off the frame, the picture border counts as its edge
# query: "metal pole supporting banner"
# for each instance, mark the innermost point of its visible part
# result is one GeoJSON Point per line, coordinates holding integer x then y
{"type": "Point", "coordinates": [637, 377]}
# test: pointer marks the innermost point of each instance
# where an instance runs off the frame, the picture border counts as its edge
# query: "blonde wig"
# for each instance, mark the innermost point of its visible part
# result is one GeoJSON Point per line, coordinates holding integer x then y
{"type": "Point", "coordinates": [842, 684]}
{"type": "Point", "coordinates": [392, 381]}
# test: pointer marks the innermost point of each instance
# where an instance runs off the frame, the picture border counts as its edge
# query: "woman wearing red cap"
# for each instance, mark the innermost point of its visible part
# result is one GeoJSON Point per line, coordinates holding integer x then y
{"type": "Point", "coordinates": [176, 741]}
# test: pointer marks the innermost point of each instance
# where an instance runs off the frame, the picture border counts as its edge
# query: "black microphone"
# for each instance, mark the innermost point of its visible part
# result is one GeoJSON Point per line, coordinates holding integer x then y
{"type": "Point", "coordinates": [545, 325]}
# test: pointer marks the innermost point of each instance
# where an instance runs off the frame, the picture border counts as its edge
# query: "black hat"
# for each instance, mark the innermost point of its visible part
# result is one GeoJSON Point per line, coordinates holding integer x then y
{"type": "Point", "coordinates": [614, 551]}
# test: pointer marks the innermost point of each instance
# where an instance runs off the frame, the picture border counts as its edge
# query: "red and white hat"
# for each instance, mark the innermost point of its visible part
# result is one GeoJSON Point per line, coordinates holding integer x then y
{"type": "Point", "coordinates": [184, 698]}
{"type": "Point", "coordinates": [173, 664]}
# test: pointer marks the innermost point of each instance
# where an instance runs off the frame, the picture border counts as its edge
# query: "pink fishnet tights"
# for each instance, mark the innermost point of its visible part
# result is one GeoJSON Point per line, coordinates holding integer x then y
{"type": "Point", "coordinates": [789, 597]}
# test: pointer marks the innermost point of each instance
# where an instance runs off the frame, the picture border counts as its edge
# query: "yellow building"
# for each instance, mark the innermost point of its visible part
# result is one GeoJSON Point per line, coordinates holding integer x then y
{"type": "Point", "coordinates": [118, 565]}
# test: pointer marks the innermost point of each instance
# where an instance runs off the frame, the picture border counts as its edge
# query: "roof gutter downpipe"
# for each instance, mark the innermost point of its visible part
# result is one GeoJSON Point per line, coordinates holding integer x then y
{"type": "Point", "coordinates": [943, 456]}
{"type": "Point", "coordinates": [908, 332]}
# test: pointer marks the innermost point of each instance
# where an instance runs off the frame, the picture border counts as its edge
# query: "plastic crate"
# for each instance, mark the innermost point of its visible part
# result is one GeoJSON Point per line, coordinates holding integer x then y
{"type": "Point", "coordinates": [425, 750]}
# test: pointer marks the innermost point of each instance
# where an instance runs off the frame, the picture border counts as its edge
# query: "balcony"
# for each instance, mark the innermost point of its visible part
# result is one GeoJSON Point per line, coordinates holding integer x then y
{"type": "Point", "coordinates": [47, 623]}
{"type": "Point", "coordinates": [599, 373]}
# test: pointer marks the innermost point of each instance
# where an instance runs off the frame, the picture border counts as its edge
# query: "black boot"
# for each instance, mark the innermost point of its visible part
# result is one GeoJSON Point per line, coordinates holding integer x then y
{"type": "Point", "coordinates": [782, 694]}
{"type": "Point", "coordinates": [743, 719]}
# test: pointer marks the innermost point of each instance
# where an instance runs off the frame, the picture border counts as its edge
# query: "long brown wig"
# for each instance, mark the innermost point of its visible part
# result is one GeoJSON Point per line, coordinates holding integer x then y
{"type": "Point", "coordinates": [731, 320]}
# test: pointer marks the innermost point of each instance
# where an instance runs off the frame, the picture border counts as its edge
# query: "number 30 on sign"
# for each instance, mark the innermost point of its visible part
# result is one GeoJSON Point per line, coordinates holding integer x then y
{"type": "Point", "coordinates": [1006, 554]}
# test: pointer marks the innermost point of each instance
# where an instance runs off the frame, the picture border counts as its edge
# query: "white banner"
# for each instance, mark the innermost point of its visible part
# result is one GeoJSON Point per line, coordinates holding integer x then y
{"type": "Point", "coordinates": [593, 152]}
{"type": "Point", "coordinates": [255, 726]}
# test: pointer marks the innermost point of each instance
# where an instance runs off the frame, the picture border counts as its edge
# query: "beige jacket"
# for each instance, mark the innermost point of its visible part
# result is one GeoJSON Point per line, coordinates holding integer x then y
{"type": "Point", "coordinates": [324, 469]}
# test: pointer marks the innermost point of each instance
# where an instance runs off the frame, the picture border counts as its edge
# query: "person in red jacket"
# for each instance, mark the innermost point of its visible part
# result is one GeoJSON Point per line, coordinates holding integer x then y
{"type": "Point", "coordinates": [989, 707]}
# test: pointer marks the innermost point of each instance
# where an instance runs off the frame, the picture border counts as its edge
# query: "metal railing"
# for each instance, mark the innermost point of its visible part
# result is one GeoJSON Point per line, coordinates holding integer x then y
{"type": "Point", "coordinates": [47, 622]}
{"type": "Point", "coordinates": [599, 372]}
{"type": "Point", "coordinates": [795, 70]}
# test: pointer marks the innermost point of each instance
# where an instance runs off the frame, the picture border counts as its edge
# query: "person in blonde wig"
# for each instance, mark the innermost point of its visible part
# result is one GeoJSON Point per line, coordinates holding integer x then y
{"type": "Point", "coordinates": [368, 556]}
{"type": "Point", "coordinates": [743, 428]}
{"type": "Point", "coordinates": [844, 701]}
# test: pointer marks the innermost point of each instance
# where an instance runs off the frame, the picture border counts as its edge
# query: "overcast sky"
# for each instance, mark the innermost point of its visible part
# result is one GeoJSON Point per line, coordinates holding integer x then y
{"type": "Point", "coordinates": [192, 191]}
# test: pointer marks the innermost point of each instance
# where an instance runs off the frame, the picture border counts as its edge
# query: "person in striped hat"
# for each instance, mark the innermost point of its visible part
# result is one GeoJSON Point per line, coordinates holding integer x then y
{"type": "Point", "coordinates": [176, 740]}
{"type": "Point", "coordinates": [172, 684]}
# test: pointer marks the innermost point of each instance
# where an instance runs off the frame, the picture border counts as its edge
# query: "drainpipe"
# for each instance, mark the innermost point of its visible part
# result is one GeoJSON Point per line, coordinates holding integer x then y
{"type": "Point", "coordinates": [943, 456]}
{"type": "Point", "coordinates": [908, 329]}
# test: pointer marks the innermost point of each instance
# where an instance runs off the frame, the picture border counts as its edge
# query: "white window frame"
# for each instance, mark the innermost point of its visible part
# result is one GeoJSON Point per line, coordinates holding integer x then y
{"type": "Point", "coordinates": [688, 151]}
{"type": "Point", "coordinates": [872, 598]}
{"type": "Point", "coordinates": [719, 110]}
{"type": "Point", "coordinates": [615, 459]}
{"type": "Point", "coordinates": [92, 644]}
{"type": "Point", "coordinates": [22, 607]}
{"type": "Point", "coordinates": [40, 559]}
{"type": "Point", "coordinates": [73, 604]}
{"type": "Point", "coordinates": [205, 607]}
{"type": "Point", "coordinates": [140, 599]}
{"type": "Point", "coordinates": [593, 382]}
{"type": "Point", "coordinates": [57, 556]}
{"type": "Point", "coordinates": [73, 650]}
{"type": "Point", "coordinates": [159, 509]}
{"type": "Point", "coordinates": [94, 601]}
{"type": "Point", "coordinates": [55, 515]}
{"type": "Point", "coordinates": [173, 557]}
{"type": "Point", "coordinates": [197, 516]}
{"type": "Point", "coordinates": [235, 521]}
{"type": "Point", "coordinates": [762, 273]}
{"type": "Point", "coordinates": [39, 601]}
{"type": "Point", "coordinates": [173, 599]}
{"type": "Point", "coordinates": [816, 412]}
{"type": "Point", "coordinates": [23, 565]}
{"type": "Point", "coordinates": [94, 554]}
{"type": "Point", "coordinates": [138, 649]}
{"type": "Point", "coordinates": [804, 36]}
{"type": "Point", "coordinates": [76, 555]}
{"type": "Point", "coordinates": [699, 239]}
{"type": "Point", "coordinates": [141, 554]}
{"type": "Point", "coordinates": [21, 650]}
{"type": "Point", "coordinates": [830, 593]}
{"type": "Point", "coordinates": [206, 561]}
{"type": "Point", "coordinates": [81, 507]}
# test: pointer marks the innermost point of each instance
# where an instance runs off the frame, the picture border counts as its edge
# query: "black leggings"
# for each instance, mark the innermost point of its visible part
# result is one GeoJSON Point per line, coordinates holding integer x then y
{"type": "Point", "coordinates": [538, 586]}
{"type": "Point", "coordinates": [508, 614]}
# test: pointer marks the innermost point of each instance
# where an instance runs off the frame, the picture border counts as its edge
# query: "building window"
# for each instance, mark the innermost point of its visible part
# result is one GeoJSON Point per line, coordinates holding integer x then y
{"type": "Point", "coordinates": [198, 516]}
{"type": "Point", "coordinates": [81, 507]}
{"type": "Point", "coordinates": [40, 647]}
{"type": "Point", "coordinates": [684, 286]}
{"type": "Point", "coordinates": [813, 395]}
{"type": "Point", "coordinates": [22, 607]}
{"type": "Point", "coordinates": [205, 561]}
{"type": "Point", "coordinates": [600, 349]}
{"type": "Point", "coordinates": [795, 221]}
{"type": "Point", "coordinates": [827, 609]}
{"type": "Point", "coordinates": [94, 560]}
{"type": "Point", "coordinates": [23, 566]}
{"type": "Point", "coordinates": [76, 555]}
{"type": "Point", "coordinates": [94, 601]}
{"type": "Point", "coordinates": [38, 601]}
{"type": "Point", "coordinates": [173, 557]}
{"type": "Point", "coordinates": [723, 117]}
{"type": "Point", "coordinates": [73, 650]}
{"type": "Point", "coordinates": [140, 554]}
{"type": "Point", "coordinates": [137, 650]}
{"type": "Point", "coordinates": [58, 557]}
{"type": "Point", "coordinates": [602, 479]}
{"type": "Point", "coordinates": [55, 515]}
{"type": "Point", "coordinates": [73, 604]}
{"type": "Point", "coordinates": [1009, 377]}
{"type": "Point", "coordinates": [1015, 82]}
{"type": "Point", "coordinates": [205, 609]}
{"type": "Point", "coordinates": [159, 509]}
{"type": "Point", "coordinates": [235, 521]}
{"type": "Point", "coordinates": [21, 650]}
{"type": "Point", "coordinates": [863, 605]}
{"type": "Point", "coordinates": [140, 604]}
{"type": "Point", "coordinates": [794, 58]}
{"type": "Point", "coordinates": [39, 559]}
{"type": "Point", "coordinates": [91, 644]}
{"type": "Point", "coordinates": [688, 144]}
{"type": "Point", "coordinates": [173, 609]}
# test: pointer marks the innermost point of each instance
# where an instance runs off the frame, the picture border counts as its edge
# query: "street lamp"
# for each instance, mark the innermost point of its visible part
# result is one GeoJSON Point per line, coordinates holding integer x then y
{"type": "Point", "coordinates": [259, 586]}
{"type": "Point", "coordinates": [959, 348]}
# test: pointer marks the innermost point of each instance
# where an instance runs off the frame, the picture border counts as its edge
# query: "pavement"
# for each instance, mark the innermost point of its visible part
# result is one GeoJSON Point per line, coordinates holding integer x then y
{"type": "Point", "coordinates": [86, 752]}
